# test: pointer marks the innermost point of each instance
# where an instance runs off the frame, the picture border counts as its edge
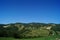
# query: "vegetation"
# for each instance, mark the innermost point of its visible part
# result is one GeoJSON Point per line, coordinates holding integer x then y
{"type": "Point", "coordinates": [29, 30]}
{"type": "Point", "coordinates": [41, 38]}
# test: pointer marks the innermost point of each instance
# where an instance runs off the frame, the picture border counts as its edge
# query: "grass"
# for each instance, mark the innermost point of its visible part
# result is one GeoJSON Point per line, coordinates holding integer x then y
{"type": "Point", "coordinates": [42, 38]}
{"type": "Point", "coordinates": [4, 38]}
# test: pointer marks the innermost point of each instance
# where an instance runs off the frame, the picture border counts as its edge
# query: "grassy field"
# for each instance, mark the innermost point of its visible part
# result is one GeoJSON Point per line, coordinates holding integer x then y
{"type": "Point", "coordinates": [42, 38]}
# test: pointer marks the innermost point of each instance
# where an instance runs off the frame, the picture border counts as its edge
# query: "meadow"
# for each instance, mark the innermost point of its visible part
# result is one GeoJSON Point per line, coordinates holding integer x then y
{"type": "Point", "coordinates": [41, 38]}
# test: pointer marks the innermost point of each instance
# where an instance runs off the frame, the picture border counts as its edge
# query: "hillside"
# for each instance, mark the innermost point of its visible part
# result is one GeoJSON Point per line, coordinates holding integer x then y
{"type": "Point", "coordinates": [29, 30]}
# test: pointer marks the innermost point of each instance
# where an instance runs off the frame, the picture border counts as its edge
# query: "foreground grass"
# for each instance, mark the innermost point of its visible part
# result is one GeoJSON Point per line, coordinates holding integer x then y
{"type": "Point", "coordinates": [42, 38]}
{"type": "Point", "coordinates": [28, 39]}
{"type": "Point", "coordinates": [4, 38]}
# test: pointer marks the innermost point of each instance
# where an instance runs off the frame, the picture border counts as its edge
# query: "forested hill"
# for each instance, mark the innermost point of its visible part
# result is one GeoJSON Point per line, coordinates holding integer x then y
{"type": "Point", "coordinates": [27, 30]}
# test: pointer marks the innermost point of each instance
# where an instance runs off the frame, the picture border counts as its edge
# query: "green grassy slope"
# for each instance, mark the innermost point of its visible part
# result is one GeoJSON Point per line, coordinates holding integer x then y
{"type": "Point", "coordinates": [42, 38]}
{"type": "Point", "coordinates": [4, 38]}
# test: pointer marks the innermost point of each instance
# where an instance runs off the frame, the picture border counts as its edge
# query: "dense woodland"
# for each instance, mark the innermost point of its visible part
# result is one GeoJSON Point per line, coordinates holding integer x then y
{"type": "Point", "coordinates": [29, 30]}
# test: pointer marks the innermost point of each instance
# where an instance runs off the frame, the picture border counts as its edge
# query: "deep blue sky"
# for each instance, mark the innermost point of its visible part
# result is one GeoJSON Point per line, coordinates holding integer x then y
{"type": "Point", "coordinates": [45, 11]}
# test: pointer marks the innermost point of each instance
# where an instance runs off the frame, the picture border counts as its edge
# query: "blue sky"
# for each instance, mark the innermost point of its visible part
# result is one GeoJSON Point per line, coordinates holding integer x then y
{"type": "Point", "coordinates": [45, 11]}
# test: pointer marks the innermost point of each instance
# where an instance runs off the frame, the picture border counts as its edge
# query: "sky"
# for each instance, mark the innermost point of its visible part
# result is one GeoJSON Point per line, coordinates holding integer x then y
{"type": "Point", "coordinates": [43, 11]}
